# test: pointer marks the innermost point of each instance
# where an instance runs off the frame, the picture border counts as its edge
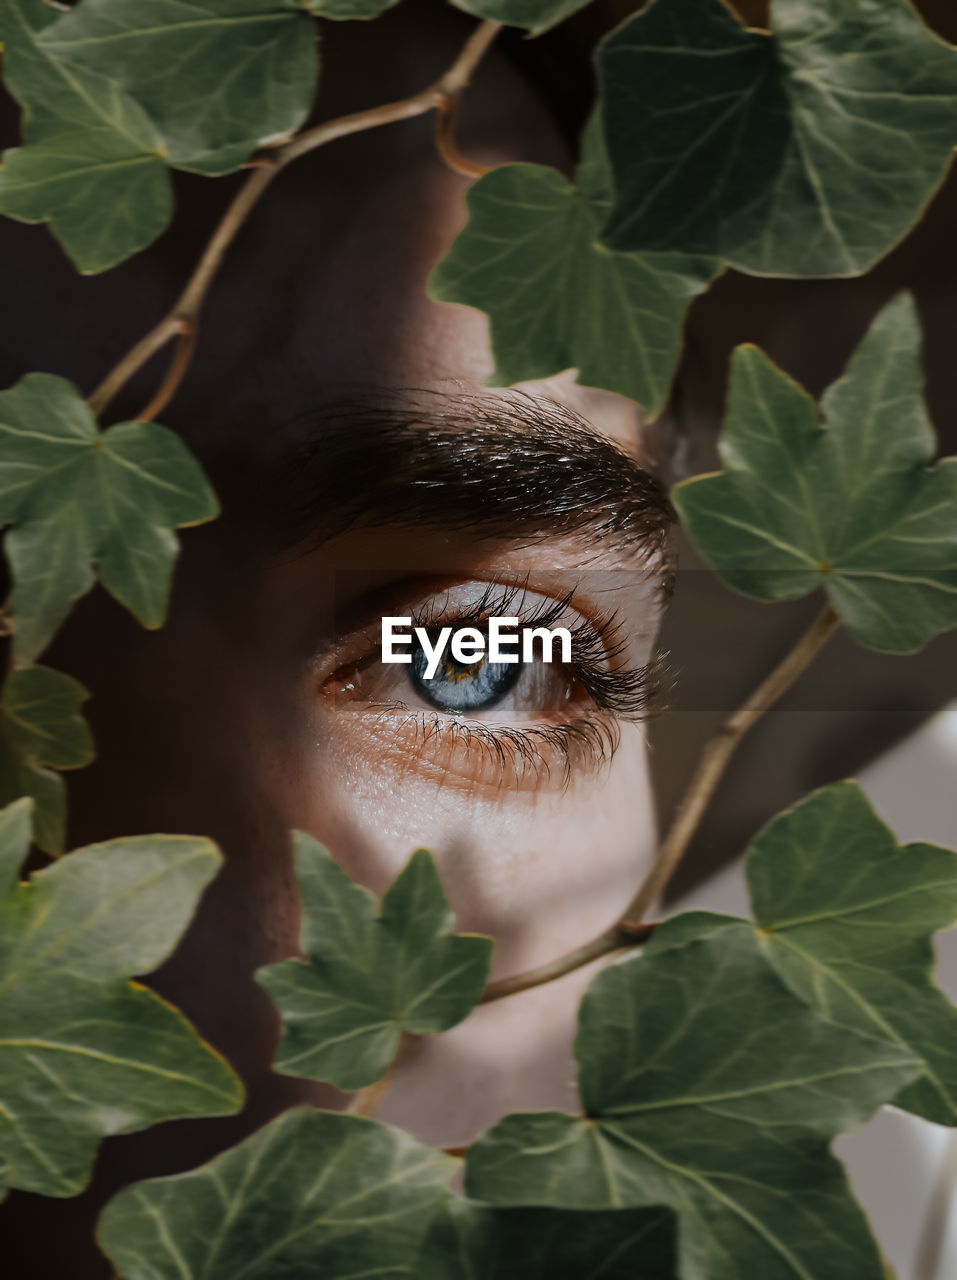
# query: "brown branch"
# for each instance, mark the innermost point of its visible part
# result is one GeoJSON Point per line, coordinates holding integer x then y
{"type": "Point", "coordinates": [629, 931]}
{"type": "Point", "coordinates": [445, 119]}
{"type": "Point", "coordinates": [185, 311]}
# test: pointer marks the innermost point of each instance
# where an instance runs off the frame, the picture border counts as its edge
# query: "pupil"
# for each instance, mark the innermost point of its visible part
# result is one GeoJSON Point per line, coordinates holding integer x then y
{"type": "Point", "coordinates": [462, 686]}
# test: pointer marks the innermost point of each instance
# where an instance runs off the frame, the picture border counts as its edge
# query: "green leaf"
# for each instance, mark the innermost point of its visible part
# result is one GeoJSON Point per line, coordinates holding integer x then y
{"type": "Point", "coordinates": [41, 729]}
{"type": "Point", "coordinates": [556, 298]}
{"type": "Point", "coordinates": [368, 977]}
{"type": "Point", "coordinates": [709, 1088]}
{"type": "Point", "coordinates": [311, 1194]}
{"type": "Point", "coordinates": [80, 498]}
{"type": "Point", "coordinates": [114, 91]}
{"type": "Point", "coordinates": [470, 1241]}
{"type": "Point", "coordinates": [340, 10]}
{"type": "Point", "coordinates": [852, 506]}
{"type": "Point", "coordinates": [83, 1051]}
{"type": "Point", "coordinates": [809, 151]}
{"type": "Point", "coordinates": [848, 915]}
{"type": "Point", "coordinates": [214, 77]}
{"type": "Point", "coordinates": [90, 164]}
{"type": "Point", "coordinates": [537, 15]}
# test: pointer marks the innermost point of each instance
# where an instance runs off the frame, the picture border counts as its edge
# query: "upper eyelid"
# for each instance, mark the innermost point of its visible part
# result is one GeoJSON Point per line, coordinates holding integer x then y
{"type": "Point", "coordinates": [509, 603]}
{"type": "Point", "coordinates": [500, 597]}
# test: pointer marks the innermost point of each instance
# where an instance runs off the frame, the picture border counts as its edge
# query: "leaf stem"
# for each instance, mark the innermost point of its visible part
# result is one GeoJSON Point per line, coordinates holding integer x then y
{"type": "Point", "coordinates": [184, 315]}
{"type": "Point", "coordinates": [365, 1101]}
{"type": "Point", "coordinates": [629, 930]}
{"type": "Point", "coordinates": [174, 375]}
{"type": "Point", "coordinates": [445, 119]}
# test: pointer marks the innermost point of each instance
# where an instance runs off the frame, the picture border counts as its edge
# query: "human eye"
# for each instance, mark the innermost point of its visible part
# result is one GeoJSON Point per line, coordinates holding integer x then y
{"type": "Point", "coordinates": [523, 724]}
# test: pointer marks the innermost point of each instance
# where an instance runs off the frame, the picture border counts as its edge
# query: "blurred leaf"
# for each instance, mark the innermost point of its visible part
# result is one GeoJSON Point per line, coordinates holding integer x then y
{"type": "Point", "coordinates": [368, 977]}
{"type": "Point", "coordinates": [41, 729]}
{"type": "Point", "coordinates": [537, 15]}
{"type": "Point", "coordinates": [89, 164]}
{"type": "Point", "coordinates": [470, 1241]}
{"type": "Point", "coordinates": [80, 498]}
{"type": "Point", "coordinates": [311, 1194]}
{"type": "Point", "coordinates": [810, 151]}
{"type": "Point", "coordinates": [848, 914]}
{"type": "Point", "coordinates": [84, 1052]}
{"type": "Point", "coordinates": [852, 507]}
{"type": "Point", "coordinates": [708, 1088]}
{"type": "Point", "coordinates": [556, 298]}
{"type": "Point", "coordinates": [349, 9]}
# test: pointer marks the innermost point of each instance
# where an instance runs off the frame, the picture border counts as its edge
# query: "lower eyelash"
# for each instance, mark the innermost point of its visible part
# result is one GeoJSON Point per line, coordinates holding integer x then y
{"type": "Point", "coordinates": [521, 754]}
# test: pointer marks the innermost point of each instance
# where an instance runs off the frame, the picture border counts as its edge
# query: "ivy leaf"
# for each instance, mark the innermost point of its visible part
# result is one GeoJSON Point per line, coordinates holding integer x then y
{"type": "Point", "coordinates": [851, 507]}
{"type": "Point", "coordinates": [41, 729]}
{"type": "Point", "coordinates": [809, 151]}
{"type": "Point", "coordinates": [89, 164]}
{"type": "Point", "coordinates": [84, 1052]}
{"type": "Point", "coordinates": [709, 1088]}
{"type": "Point", "coordinates": [214, 77]}
{"type": "Point", "coordinates": [470, 1241]}
{"type": "Point", "coordinates": [80, 498]}
{"type": "Point", "coordinates": [368, 977]}
{"type": "Point", "coordinates": [848, 915]}
{"type": "Point", "coordinates": [556, 298]}
{"type": "Point", "coordinates": [312, 1194]}
{"type": "Point", "coordinates": [537, 15]}
{"type": "Point", "coordinates": [114, 92]}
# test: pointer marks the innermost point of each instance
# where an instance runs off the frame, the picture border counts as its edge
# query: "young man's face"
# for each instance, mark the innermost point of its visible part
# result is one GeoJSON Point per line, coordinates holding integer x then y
{"type": "Point", "coordinates": [367, 471]}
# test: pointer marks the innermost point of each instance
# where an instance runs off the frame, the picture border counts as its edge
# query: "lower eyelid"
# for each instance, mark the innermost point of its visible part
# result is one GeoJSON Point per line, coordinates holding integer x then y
{"type": "Point", "coordinates": [477, 755]}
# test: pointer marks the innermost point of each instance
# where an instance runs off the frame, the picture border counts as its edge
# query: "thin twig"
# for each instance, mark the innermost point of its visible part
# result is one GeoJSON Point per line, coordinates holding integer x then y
{"type": "Point", "coordinates": [185, 311]}
{"type": "Point", "coordinates": [629, 931]}
{"type": "Point", "coordinates": [445, 118]}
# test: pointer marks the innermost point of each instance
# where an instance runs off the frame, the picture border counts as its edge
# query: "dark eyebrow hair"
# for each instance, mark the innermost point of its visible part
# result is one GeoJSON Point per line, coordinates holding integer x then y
{"type": "Point", "coordinates": [507, 465]}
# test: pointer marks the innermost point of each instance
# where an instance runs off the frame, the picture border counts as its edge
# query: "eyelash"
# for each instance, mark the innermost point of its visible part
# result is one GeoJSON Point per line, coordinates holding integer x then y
{"type": "Point", "coordinates": [617, 693]}
{"type": "Point", "coordinates": [524, 753]}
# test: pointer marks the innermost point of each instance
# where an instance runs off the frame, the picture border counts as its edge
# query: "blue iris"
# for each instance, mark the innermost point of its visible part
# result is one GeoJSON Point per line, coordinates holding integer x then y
{"type": "Point", "coordinates": [463, 686]}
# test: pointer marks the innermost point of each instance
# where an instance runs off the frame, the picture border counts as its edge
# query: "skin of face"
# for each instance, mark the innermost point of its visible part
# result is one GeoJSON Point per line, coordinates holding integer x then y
{"type": "Point", "coordinates": [217, 724]}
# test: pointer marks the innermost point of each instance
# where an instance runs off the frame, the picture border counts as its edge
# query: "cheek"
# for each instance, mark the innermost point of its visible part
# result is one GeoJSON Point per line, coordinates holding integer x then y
{"type": "Point", "coordinates": [539, 869]}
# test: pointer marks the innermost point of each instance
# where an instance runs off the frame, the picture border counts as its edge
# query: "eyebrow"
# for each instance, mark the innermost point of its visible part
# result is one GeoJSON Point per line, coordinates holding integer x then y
{"type": "Point", "coordinates": [514, 466]}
